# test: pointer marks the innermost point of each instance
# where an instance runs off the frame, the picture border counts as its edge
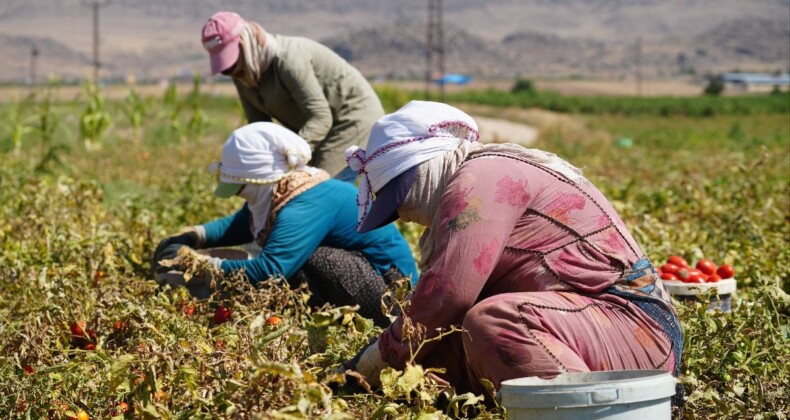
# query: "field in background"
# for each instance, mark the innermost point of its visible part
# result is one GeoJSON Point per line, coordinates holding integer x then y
{"type": "Point", "coordinates": [89, 185]}
{"type": "Point", "coordinates": [684, 87]}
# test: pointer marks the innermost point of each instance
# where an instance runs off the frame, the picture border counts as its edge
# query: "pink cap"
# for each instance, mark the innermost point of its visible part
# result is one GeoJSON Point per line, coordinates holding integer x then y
{"type": "Point", "coordinates": [221, 39]}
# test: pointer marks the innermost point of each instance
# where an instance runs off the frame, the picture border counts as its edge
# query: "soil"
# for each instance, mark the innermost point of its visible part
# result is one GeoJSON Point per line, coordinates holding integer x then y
{"type": "Point", "coordinates": [494, 130]}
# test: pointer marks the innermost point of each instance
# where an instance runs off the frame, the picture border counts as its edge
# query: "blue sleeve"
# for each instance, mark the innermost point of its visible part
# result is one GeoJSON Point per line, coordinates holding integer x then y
{"type": "Point", "coordinates": [229, 231]}
{"type": "Point", "coordinates": [297, 232]}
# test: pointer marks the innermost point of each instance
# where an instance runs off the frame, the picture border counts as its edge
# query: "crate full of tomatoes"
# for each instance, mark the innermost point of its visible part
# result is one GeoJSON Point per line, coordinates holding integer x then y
{"type": "Point", "coordinates": [685, 282]}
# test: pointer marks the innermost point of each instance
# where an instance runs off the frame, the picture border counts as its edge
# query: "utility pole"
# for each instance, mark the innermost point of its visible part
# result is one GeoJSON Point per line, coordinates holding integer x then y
{"type": "Point", "coordinates": [96, 62]}
{"type": "Point", "coordinates": [33, 60]}
{"type": "Point", "coordinates": [638, 64]}
{"type": "Point", "coordinates": [435, 47]}
{"type": "Point", "coordinates": [95, 6]}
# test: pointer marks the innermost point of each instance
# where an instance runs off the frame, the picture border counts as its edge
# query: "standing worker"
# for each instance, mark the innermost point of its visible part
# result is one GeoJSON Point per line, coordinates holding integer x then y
{"type": "Point", "coordinates": [300, 83]}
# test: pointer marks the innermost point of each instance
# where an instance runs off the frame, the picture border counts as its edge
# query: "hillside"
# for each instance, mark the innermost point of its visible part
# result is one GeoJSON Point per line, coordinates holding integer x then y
{"type": "Point", "coordinates": [155, 39]}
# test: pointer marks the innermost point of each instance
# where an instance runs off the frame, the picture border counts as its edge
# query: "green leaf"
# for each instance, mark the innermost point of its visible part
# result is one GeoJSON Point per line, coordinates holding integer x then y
{"type": "Point", "coordinates": [189, 375]}
{"type": "Point", "coordinates": [119, 371]}
{"type": "Point", "coordinates": [412, 377]}
{"type": "Point", "coordinates": [389, 377]}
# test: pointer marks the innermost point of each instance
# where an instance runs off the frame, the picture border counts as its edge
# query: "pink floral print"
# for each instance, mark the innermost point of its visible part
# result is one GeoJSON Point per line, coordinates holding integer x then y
{"type": "Point", "coordinates": [562, 206]}
{"type": "Point", "coordinates": [462, 210]}
{"type": "Point", "coordinates": [513, 193]}
{"type": "Point", "coordinates": [486, 257]}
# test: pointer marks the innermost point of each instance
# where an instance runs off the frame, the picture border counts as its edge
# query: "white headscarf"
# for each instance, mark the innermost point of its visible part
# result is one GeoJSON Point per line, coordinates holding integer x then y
{"type": "Point", "coordinates": [438, 138]}
{"type": "Point", "coordinates": [416, 133]}
{"type": "Point", "coordinates": [258, 155]}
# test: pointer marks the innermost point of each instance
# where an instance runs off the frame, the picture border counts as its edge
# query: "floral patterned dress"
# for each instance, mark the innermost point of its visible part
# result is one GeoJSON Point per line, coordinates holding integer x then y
{"type": "Point", "coordinates": [543, 276]}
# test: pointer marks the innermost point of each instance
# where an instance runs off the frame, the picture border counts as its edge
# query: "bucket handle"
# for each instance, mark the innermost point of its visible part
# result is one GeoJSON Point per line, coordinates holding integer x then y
{"type": "Point", "coordinates": [604, 395]}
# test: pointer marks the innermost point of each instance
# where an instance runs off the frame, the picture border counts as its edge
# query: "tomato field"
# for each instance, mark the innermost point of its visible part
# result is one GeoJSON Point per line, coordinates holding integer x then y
{"type": "Point", "coordinates": [89, 185]}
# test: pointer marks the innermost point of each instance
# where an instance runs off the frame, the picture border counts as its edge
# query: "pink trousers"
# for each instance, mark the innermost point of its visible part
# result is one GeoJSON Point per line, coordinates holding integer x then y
{"type": "Point", "coordinates": [544, 334]}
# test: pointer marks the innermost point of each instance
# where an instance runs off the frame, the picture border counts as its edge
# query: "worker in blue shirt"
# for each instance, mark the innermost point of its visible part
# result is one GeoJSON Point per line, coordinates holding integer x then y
{"type": "Point", "coordinates": [303, 221]}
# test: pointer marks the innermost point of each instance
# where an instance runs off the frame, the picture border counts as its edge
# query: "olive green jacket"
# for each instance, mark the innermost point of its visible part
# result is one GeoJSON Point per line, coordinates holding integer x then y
{"type": "Point", "coordinates": [317, 94]}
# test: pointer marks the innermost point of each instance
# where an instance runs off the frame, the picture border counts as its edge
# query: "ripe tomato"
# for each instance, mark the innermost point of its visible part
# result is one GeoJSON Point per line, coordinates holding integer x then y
{"type": "Point", "coordinates": [678, 261]}
{"type": "Point", "coordinates": [98, 275]}
{"type": "Point", "coordinates": [121, 408]}
{"type": "Point", "coordinates": [219, 344]}
{"type": "Point", "coordinates": [713, 278]}
{"type": "Point", "coordinates": [274, 320]}
{"type": "Point", "coordinates": [91, 334]}
{"type": "Point", "coordinates": [706, 266]}
{"type": "Point", "coordinates": [81, 415]}
{"type": "Point", "coordinates": [188, 309]}
{"type": "Point", "coordinates": [28, 369]}
{"type": "Point", "coordinates": [77, 328]}
{"type": "Point", "coordinates": [222, 314]}
{"type": "Point", "coordinates": [669, 268]}
{"type": "Point", "coordinates": [139, 377]}
{"type": "Point", "coordinates": [669, 276]}
{"type": "Point", "coordinates": [89, 347]}
{"type": "Point", "coordinates": [694, 276]}
{"type": "Point", "coordinates": [119, 325]}
{"type": "Point", "coordinates": [726, 271]}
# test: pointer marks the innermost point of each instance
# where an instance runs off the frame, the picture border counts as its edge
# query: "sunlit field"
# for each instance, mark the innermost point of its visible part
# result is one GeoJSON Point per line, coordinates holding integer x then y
{"type": "Point", "coordinates": [89, 185]}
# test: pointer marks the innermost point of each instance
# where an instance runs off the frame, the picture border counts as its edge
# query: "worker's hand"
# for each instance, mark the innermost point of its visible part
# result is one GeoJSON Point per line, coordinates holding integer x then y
{"type": "Point", "coordinates": [170, 254]}
{"type": "Point", "coordinates": [190, 237]}
{"type": "Point", "coordinates": [178, 257]}
{"type": "Point", "coordinates": [183, 266]}
{"type": "Point", "coordinates": [368, 363]}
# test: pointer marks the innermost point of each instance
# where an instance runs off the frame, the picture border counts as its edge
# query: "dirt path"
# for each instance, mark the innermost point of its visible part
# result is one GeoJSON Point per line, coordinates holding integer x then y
{"type": "Point", "coordinates": [494, 130]}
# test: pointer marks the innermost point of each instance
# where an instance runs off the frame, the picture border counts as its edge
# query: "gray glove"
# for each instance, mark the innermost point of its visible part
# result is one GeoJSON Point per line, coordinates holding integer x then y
{"type": "Point", "coordinates": [175, 273]}
{"type": "Point", "coordinates": [193, 237]}
{"type": "Point", "coordinates": [368, 363]}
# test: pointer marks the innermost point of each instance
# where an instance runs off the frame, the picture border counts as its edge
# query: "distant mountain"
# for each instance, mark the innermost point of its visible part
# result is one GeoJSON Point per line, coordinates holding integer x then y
{"type": "Point", "coordinates": [751, 38]}
{"type": "Point", "coordinates": [491, 38]}
{"type": "Point", "coordinates": [399, 51]}
{"type": "Point", "coordinates": [541, 53]}
{"type": "Point", "coordinates": [17, 51]}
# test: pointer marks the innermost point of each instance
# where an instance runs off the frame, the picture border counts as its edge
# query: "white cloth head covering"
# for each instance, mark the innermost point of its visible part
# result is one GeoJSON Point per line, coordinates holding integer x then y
{"type": "Point", "coordinates": [416, 133]}
{"type": "Point", "coordinates": [258, 155]}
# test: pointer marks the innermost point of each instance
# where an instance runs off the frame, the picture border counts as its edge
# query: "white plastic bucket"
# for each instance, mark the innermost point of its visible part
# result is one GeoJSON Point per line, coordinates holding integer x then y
{"type": "Point", "coordinates": [688, 292]}
{"type": "Point", "coordinates": [617, 395]}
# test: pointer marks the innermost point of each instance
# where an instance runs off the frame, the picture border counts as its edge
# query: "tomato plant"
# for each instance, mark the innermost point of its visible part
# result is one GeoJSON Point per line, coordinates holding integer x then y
{"type": "Point", "coordinates": [105, 210]}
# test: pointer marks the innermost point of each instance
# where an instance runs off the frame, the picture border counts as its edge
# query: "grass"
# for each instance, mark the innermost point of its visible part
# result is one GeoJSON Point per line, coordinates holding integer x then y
{"type": "Point", "coordinates": [78, 227]}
